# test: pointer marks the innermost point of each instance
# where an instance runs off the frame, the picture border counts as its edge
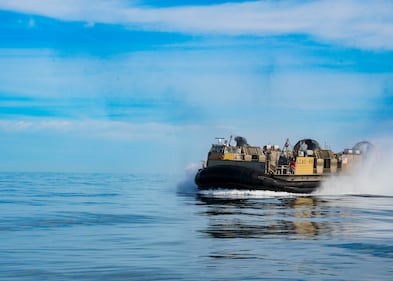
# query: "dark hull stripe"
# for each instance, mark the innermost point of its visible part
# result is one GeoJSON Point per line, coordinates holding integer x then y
{"type": "Point", "coordinates": [238, 177]}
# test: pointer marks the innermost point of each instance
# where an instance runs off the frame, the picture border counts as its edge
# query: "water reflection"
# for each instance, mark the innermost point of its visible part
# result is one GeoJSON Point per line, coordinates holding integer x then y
{"type": "Point", "coordinates": [291, 218]}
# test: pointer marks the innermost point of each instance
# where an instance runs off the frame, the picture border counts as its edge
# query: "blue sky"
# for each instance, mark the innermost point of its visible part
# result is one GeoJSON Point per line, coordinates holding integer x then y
{"type": "Point", "coordinates": [140, 86]}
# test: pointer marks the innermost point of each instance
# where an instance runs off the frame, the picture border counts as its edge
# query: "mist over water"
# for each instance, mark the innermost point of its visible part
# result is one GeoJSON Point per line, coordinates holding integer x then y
{"type": "Point", "coordinates": [187, 184]}
{"type": "Point", "coordinates": [371, 177]}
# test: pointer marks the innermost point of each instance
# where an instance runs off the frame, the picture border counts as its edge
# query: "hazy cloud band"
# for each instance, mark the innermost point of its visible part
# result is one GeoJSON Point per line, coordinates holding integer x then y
{"type": "Point", "coordinates": [360, 24]}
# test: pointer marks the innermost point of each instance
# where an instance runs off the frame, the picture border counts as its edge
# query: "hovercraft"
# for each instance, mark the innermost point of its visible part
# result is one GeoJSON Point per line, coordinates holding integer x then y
{"type": "Point", "coordinates": [300, 169]}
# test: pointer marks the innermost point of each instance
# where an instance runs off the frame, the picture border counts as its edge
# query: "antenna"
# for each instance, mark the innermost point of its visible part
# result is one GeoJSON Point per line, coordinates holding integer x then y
{"type": "Point", "coordinates": [219, 139]}
{"type": "Point", "coordinates": [286, 145]}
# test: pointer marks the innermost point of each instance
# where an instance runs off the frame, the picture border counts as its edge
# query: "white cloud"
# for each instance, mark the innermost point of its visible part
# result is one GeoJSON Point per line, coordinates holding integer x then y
{"type": "Point", "coordinates": [216, 83]}
{"type": "Point", "coordinates": [363, 24]}
{"type": "Point", "coordinates": [97, 129]}
{"type": "Point", "coordinates": [23, 126]}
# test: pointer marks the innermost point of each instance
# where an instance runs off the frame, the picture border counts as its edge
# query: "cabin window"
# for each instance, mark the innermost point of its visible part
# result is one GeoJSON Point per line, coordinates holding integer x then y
{"type": "Point", "coordinates": [326, 163]}
{"type": "Point", "coordinates": [217, 148]}
{"type": "Point", "coordinates": [230, 149]}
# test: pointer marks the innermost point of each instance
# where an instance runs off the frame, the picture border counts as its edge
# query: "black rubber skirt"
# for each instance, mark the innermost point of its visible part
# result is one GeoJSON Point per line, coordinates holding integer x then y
{"type": "Point", "coordinates": [238, 177]}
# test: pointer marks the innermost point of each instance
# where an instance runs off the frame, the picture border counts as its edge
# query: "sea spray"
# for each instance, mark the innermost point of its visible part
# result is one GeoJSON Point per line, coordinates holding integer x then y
{"type": "Point", "coordinates": [187, 186]}
{"type": "Point", "coordinates": [373, 176]}
{"type": "Point", "coordinates": [247, 194]}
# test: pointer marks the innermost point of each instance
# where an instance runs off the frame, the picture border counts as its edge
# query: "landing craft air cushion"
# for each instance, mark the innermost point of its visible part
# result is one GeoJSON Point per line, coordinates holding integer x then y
{"type": "Point", "coordinates": [298, 170]}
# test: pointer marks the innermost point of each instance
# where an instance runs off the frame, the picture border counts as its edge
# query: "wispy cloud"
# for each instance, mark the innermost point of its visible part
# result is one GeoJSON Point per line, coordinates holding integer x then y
{"type": "Point", "coordinates": [105, 129]}
{"type": "Point", "coordinates": [362, 24]}
{"type": "Point", "coordinates": [187, 87]}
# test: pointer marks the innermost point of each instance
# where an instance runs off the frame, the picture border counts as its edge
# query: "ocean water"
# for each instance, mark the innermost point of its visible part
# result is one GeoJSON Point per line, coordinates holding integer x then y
{"type": "Point", "coordinates": [56, 226]}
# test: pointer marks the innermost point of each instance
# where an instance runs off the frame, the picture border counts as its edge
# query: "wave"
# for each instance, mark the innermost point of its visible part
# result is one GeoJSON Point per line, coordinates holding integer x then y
{"type": "Point", "coordinates": [247, 194]}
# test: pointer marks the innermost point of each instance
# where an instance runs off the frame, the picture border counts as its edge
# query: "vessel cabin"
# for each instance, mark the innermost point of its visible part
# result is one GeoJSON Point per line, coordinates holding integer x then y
{"type": "Point", "coordinates": [306, 158]}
